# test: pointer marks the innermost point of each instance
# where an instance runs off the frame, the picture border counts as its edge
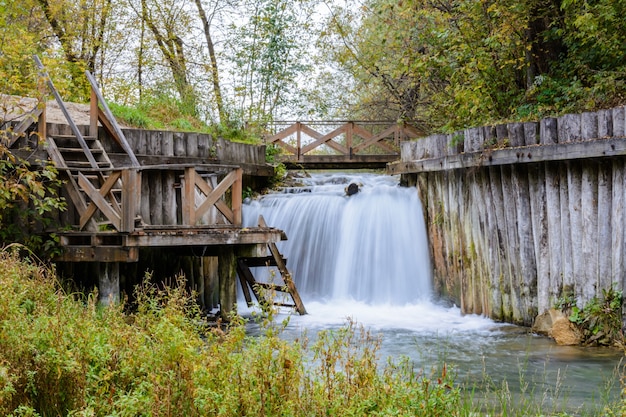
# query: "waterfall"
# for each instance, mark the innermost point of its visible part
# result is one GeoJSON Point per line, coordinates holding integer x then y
{"type": "Point", "coordinates": [370, 247]}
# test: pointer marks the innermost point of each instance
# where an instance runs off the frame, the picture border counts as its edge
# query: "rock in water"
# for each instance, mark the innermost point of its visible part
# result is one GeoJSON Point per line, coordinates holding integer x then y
{"type": "Point", "coordinates": [352, 189]}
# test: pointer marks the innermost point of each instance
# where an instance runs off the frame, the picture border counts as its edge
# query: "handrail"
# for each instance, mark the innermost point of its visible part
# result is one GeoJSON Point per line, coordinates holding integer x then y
{"type": "Point", "coordinates": [348, 149]}
{"type": "Point", "coordinates": [111, 119]}
{"type": "Point", "coordinates": [44, 74]}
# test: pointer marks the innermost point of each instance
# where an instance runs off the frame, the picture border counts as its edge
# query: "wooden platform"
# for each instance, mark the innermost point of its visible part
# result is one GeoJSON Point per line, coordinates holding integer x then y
{"type": "Point", "coordinates": [123, 247]}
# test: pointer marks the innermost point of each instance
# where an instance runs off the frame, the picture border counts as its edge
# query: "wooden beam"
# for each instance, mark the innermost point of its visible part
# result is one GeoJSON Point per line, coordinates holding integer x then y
{"type": "Point", "coordinates": [283, 134]}
{"type": "Point", "coordinates": [131, 195]}
{"type": "Point", "coordinates": [325, 139]}
{"type": "Point", "coordinates": [97, 200]}
{"type": "Point", "coordinates": [98, 254]}
{"type": "Point", "coordinates": [93, 114]}
{"type": "Point", "coordinates": [189, 197]}
{"type": "Point", "coordinates": [236, 196]}
{"type": "Point", "coordinates": [206, 188]}
{"type": "Point", "coordinates": [375, 139]}
{"type": "Point", "coordinates": [201, 237]}
{"type": "Point", "coordinates": [521, 155]}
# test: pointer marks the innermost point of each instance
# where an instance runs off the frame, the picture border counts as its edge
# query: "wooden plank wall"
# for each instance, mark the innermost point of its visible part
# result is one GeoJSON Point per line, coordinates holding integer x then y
{"type": "Point", "coordinates": [507, 241]}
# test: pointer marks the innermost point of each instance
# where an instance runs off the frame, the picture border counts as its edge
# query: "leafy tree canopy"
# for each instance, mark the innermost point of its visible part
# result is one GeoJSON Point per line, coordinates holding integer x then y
{"type": "Point", "coordinates": [443, 64]}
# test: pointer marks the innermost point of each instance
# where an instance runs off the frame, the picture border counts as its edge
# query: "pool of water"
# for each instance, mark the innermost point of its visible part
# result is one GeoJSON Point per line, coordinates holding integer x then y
{"type": "Point", "coordinates": [496, 360]}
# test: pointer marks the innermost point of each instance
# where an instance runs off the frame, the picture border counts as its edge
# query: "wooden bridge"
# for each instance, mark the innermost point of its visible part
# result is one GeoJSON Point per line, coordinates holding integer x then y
{"type": "Point", "coordinates": [340, 144]}
{"type": "Point", "coordinates": [119, 206]}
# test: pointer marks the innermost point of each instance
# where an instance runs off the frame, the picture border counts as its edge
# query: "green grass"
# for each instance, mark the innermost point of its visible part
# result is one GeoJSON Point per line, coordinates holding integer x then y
{"type": "Point", "coordinates": [62, 354]}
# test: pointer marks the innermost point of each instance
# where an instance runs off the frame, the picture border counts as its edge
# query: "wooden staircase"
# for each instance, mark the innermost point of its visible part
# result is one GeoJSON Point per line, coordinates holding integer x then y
{"type": "Point", "coordinates": [85, 171]}
{"type": "Point", "coordinates": [264, 292]}
{"type": "Point", "coordinates": [94, 184]}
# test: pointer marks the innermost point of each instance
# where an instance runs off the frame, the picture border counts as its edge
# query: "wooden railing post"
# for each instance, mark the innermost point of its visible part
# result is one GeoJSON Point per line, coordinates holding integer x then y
{"type": "Point", "coordinates": [299, 140]}
{"type": "Point", "coordinates": [349, 135]}
{"type": "Point", "coordinates": [93, 114]}
{"type": "Point", "coordinates": [131, 195]}
{"type": "Point", "coordinates": [189, 197]}
{"type": "Point", "coordinates": [237, 198]}
{"type": "Point", "coordinates": [42, 129]}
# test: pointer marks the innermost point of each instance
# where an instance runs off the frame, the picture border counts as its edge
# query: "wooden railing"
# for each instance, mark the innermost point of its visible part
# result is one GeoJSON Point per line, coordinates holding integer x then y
{"type": "Point", "coordinates": [121, 215]}
{"type": "Point", "coordinates": [194, 186]}
{"type": "Point", "coordinates": [197, 197]}
{"type": "Point", "coordinates": [346, 140]}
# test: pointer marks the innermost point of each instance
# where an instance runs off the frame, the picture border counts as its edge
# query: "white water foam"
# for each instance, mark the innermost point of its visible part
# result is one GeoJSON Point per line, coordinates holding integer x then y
{"type": "Point", "coordinates": [363, 257]}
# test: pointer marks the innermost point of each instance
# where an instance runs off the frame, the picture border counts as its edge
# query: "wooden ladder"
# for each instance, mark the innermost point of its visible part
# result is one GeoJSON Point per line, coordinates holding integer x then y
{"type": "Point", "coordinates": [265, 292]}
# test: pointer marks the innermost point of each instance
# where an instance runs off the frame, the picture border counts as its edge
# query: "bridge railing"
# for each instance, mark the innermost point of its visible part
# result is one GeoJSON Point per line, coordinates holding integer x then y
{"type": "Point", "coordinates": [346, 140]}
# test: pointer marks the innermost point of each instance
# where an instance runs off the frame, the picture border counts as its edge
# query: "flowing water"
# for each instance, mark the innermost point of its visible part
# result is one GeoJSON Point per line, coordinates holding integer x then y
{"type": "Point", "coordinates": [365, 257]}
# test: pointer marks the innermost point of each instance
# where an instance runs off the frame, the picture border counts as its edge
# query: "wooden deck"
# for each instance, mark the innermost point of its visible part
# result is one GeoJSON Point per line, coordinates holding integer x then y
{"type": "Point", "coordinates": [117, 247]}
{"type": "Point", "coordinates": [119, 205]}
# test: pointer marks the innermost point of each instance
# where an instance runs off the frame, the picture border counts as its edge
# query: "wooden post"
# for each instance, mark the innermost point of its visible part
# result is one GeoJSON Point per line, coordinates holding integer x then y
{"type": "Point", "coordinates": [189, 197]}
{"type": "Point", "coordinates": [93, 114]}
{"type": "Point", "coordinates": [349, 135]}
{"type": "Point", "coordinates": [131, 182]}
{"type": "Point", "coordinates": [109, 283]}
{"type": "Point", "coordinates": [298, 140]}
{"type": "Point", "coordinates": [41, 126]}
{"type": "Point", "coordinates": [227, 270]}
{"type": "Point", "coordinates": [237, 196]}
{"type": "Point", "coordinates": [211, 281]}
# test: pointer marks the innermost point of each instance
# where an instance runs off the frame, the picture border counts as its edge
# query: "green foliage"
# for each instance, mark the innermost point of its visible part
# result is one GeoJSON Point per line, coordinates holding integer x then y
{"type": "Point", "coordinates": [449, 65]}
{"type": "Point", "coordinates": [600, 320]}
{"type": "Point", "coordinates": [235, 133]}
{"type": "Point", "coordinates": [268, 55]}
{"type": "Point", "coordinates": [271, 151]}
{"type": "Point", "coordinates": [28, 197]}
{"type": "Point", "coordinates": [160, 112]}
{"type": "Point", "coordinates": [63, 354]}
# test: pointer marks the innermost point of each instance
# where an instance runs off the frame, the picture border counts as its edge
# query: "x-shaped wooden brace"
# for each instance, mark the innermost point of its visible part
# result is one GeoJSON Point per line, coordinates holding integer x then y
{"type": "Point", "coordinates": [111, 210]}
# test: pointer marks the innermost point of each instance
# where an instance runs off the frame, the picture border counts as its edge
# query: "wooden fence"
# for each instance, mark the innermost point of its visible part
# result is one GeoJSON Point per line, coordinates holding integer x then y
{"type": "Point", "coordinates": [522, 214]}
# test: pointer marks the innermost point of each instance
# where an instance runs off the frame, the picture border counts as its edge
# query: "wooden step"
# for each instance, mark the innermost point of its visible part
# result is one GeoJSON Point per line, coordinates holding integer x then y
{"type": "Point", "coordinates": [87, 138]}
{"type": "Point", "coordinates": [85, 164]}
{"type": "Point", "coordinates": [260, 261]}
{"type": "Point", "coordinates": [80, 150]}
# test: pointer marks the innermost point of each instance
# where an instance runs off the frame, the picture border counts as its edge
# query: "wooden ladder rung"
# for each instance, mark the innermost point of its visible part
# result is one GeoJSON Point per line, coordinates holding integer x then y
{"type": "Point", "coordinates": [284, 305]}
{"type": "Point", "coordinates": [260, 261]}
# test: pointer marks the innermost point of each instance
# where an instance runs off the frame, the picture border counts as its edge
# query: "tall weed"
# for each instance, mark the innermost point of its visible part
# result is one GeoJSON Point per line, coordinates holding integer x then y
{"type": "Point", "coordinates": [63, 354]}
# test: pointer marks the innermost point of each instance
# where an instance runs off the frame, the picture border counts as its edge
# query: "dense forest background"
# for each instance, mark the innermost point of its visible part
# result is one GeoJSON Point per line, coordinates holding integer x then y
{"type": "Point", "coordinates": [440, 64]}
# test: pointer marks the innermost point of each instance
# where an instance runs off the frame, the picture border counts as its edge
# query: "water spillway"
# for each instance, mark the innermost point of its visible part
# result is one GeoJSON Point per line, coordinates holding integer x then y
{"type": "Point", "coordinates": [369, 247]}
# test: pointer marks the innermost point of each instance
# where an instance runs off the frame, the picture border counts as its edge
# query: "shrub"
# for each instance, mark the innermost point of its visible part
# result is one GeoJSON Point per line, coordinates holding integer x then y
{"type": "Point", "coordinates": [63, 354]}
{"type": "Point", "coordinates": [28, 195]}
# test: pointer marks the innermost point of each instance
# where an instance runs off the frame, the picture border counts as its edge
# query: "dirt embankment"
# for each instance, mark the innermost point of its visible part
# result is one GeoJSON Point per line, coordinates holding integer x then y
{"type": "Point", "coordinates": [15, 108]}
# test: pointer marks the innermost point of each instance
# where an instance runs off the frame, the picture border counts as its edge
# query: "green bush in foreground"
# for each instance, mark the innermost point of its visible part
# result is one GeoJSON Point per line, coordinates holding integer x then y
{"type": "Point", "coordinates": [61, 354]}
